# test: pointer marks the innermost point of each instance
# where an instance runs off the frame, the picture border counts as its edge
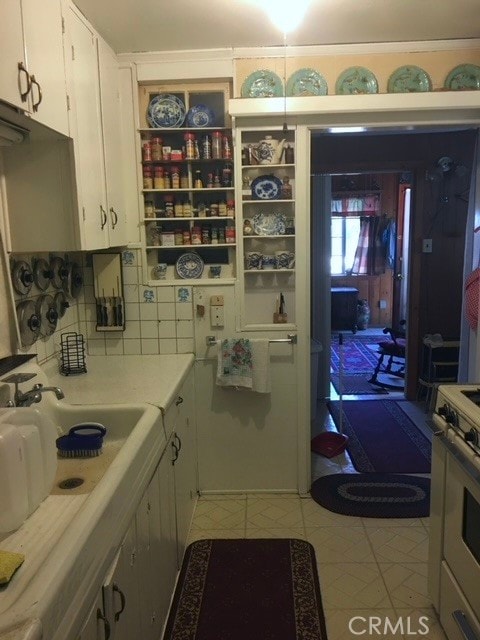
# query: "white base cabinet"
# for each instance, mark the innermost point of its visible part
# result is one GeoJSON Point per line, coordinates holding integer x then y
{"type": "Point", "coordinates": [137, 590]}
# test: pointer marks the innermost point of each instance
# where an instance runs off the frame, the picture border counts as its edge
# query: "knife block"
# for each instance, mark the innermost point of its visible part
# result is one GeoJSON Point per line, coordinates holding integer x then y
{"type": "Point", "coordinates": [108, 289]}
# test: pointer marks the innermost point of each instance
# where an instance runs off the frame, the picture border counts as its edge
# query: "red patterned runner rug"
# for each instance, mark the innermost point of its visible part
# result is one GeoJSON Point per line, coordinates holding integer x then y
{"type": "Point", "coordinates": [257, 589]}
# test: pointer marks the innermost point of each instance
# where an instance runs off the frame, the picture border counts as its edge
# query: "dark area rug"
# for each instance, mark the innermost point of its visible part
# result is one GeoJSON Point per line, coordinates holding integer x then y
{"type": "Point", "coordinates": [382, 438]}
{"type": "Point", "coordinates": [355, 384]}
{"type": "Point", "coordinates": [373, 495]}
{"type": "Point", "coordinates": [258, 589]}
{"type": "Point", "coordinates": [357, 356]}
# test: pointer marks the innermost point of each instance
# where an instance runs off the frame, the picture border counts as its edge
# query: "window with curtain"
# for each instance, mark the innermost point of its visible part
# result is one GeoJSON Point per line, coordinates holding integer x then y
{"type": "Point", "coordinates": [344, 233]}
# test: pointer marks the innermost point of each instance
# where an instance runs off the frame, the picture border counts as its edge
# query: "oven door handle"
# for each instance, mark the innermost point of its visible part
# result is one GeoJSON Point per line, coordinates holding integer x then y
{"type": "Point", "coordinates": [463, 624]}
{"type": "Point", "coordinates": [469, 468]}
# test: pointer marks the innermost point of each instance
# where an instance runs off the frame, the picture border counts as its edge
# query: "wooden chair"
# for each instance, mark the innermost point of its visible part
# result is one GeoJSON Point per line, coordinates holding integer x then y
{"type": "Point", "coordinates": [393, 350]}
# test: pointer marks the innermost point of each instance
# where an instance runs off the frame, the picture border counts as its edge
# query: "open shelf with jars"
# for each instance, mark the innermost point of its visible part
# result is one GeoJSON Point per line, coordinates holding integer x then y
{"type": "Point", "coordinates": [265, 178]}
{"type": "Point", "coordinates": [188, 183]}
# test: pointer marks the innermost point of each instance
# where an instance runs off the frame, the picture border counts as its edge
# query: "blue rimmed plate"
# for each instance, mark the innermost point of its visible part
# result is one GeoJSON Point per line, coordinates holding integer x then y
{"type": "Point", "coordinates": [465, 77]}
{"type": "Point", "coordinates": [409, 79]}
{"type": "Point", "coordinates": [262, 84]}
{"type": "Point", "coordinates": [200, 116]}
{"type": "Point", "coordinates": [306, 82]}
{"type": "Point", "coordinates": [355, 80]}
{"type": "Point", "coordinates": [266, 188]}
{"type": "Point", "coordinates": [269, 224]}
{"type": "Point", "coordinates": [166, 110]}
{"type": "Point", "coordinates": [189, 265]}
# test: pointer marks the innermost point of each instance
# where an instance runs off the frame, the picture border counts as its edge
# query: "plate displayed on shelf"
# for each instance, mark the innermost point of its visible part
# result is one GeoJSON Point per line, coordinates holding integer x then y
{"type": "Point", "coordinates": [465, 77]}
{"type": "Point", "coordinates": [266, 188]}
{"type": "Point", "coordinates": [409, 79]}
{"type": "Point", "coordinates": [269, 224]}
{"type": "Point", "coordinates": [200, 116]}
{"type": "Point", "coordinates": [189, 265]}
{"type": "Point", "coordinates": [262, 84]}
{"type": "Point", "coordinates": [166, 110]}
{"type": "Point", "coordinates": [306, 82]}
{"type": "Point", "coordinates": [356, 80]}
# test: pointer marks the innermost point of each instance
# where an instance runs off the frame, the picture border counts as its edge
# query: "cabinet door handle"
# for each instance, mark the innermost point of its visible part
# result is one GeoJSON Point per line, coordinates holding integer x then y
{"type": "Point", "coordinates": [178, 401]}
{"type": "Point", "coordinates": [179, 447]}
{"type": "Point", "coordinates": [114, 217]}
{"type": "Point", "coordinates": [175, 455]}
{"type": "Point", "coordinates": [21, 69]}
{"type": "Point", "coordinates": [106, 624]}
{"type": "Point", "coordinates": [39, 89]}
{"type": "Point", "coordinates": [123, 601]}
{"type": "Point", "coordinates": [465, 628]}
{"type": "Point", "coordinates": [103, 218]}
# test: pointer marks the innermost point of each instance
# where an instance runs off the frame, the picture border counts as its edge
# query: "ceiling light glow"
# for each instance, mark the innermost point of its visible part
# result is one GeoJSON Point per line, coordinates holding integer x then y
{"type": "Point", "coordinates": [286, 15]}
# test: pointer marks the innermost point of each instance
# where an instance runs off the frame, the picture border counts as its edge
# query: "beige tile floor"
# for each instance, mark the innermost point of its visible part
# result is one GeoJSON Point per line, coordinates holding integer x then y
{"type": "Point", "coordinates": [369, 569]}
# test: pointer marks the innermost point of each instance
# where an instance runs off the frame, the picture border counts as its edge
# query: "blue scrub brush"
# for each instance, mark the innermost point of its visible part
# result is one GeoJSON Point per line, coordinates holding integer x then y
{"type": "Point", "coordinates": [82, 441]}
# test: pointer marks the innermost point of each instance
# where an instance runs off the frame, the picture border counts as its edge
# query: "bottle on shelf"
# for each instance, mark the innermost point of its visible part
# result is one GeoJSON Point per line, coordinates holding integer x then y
{"type": "Point", "coordinates": [169, 207]}
{"type": "Point", "coordinates": [178, 209]}
{"type": "Point", "coordinates": [189, 145]}
{"type": "Point", "coordinates": [184, 180]}
{"type": "Point", "coordinates": [167, 181]}
{"type": "Point", "coordinates": [286, 190]}
{"type": "Point", "coordinates": [187, 209]}
{"type": "Point", "coordinates": [149, 209]}
{"type": "Point", "coordinates": [158, 179]}
{"type": "Point", "coordinates": [227, 176]}
{"type": "Point", "coordinates": [217, 182]}
{"type": "Point", "coordinates": [206, 147]}
{"type": "Point", "coordinates": [289, 154]}
{"type": "Point", "coordinates": [217, 145]}
{"type": "Point", "coordinates": [156, 149]}
{"type": "Point", "coordinates": [146, 150]}
{"type": "Point", "coordinates": [147, 178]}
{"type": "Point", "coordinates": [226, 148]}
{"type": "Point", "coordinates": [175, 177]}
{"type": "Point", "coordinates": [231, 208]}
{"type": "Point", "coordinates": [198, 183]}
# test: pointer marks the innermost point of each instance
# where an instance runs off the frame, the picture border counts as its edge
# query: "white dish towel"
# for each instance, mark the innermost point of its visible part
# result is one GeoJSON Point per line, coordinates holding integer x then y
{"type": "Point", "coordinates": [244, 364]}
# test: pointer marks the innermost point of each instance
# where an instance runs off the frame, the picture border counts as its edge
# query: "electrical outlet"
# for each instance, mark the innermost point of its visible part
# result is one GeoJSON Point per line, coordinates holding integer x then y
{"type": "Point", "coordinates": [217, 316]}
{"type": "Point", "coordinates": [216, 301]}
{"type": "Point", "coordinates": [427, 246]}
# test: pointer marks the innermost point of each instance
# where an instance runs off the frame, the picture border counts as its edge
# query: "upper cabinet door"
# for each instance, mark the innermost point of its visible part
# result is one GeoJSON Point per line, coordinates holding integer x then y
{"type": "Point", "coordinates": [86, 131]}
{"type": "Point", "coordinates": [13, 80]}
{"type": "Point", "coordinates": [43, 32]}
{"type": "Point", "coordinates": [112, 143]}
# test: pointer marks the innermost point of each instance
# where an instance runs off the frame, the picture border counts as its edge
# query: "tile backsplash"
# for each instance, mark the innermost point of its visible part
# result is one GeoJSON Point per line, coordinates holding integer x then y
{"type": "Point", "coordinates": [159, 320]}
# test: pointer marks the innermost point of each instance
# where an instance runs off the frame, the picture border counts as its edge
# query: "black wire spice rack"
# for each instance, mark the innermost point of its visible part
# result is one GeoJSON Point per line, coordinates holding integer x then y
{"type": "Point", "coordinates": [72, 353]}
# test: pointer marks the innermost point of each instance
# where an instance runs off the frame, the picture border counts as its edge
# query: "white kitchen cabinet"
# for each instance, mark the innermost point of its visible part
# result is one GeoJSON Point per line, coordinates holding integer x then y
{"type": "Point", "coordinates": [95, 623]}
{"type": "Point", "coordinates": [32, 68]}
{"type": "Point", "coordinates": [88, 62]}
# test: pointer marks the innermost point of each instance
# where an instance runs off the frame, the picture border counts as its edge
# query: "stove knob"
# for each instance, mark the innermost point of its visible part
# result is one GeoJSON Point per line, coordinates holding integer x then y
{"type": "Point", "coordinates": [471, 436]}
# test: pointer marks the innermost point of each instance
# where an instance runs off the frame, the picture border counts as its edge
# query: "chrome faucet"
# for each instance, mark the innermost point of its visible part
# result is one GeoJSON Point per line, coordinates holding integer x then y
{"type": "Point", "coordinates": [34, 394]}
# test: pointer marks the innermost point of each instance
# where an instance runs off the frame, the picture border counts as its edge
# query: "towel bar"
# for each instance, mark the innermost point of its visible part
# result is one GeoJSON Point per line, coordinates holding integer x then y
{"type": "Point", "coordinates": [291, 338]}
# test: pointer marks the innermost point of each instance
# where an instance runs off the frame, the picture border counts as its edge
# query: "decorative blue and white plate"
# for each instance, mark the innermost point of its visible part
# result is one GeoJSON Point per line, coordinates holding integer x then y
{"type": "Point", "coordinates": [465, 77]}
{"type": "Point", "coordinates": [266, 188]}
{"type": "Point", "coordinates": [189, 265]}
{"type": "Point", "coordinates": [355, 80]}
{"type": "Point", "coordinates": [166, 110]}
{"type": "Point", "coordinates": [269, 224]}
{"type": "Point", "coordinates": [409, 79]}
{"type": "Point", "coordinates": [262, 84]}
{"type": "Point", "coordinates": [306, 82]}
{"type": "Point", "coordinates": [200, 116]}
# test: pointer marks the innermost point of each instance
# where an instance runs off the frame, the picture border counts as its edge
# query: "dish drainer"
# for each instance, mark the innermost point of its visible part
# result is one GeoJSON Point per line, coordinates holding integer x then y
{"type": "Point", "coordinates": [72, 353]}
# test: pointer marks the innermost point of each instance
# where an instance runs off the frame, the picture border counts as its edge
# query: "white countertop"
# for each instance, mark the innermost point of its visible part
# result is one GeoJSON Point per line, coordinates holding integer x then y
{"type": "Point", "coordinates": [122, 379]}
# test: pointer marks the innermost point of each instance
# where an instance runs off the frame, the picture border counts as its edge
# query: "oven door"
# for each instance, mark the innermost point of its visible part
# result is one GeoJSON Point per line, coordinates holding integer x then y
{"type": "Point", "coordinates": [461, 544]}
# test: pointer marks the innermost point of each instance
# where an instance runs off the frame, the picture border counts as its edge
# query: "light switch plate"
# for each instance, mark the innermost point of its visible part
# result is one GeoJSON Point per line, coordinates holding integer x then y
{"type": "Point", "coordinates": [427, 245]}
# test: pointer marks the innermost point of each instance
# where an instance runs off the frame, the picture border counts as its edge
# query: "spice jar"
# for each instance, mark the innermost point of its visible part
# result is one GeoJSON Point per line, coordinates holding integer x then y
{"type": "Point", "coordinates": [227, 176]}
{"type": "Point", "coordinates": [147, 178]}
{"type": "Point", "coordinates": [221, 235]}
{"type": "Point", "coordinates": [214, 210]}
{"type": "Point", "coordinates": [156, 149]}
{"type": "Point", "coordinates": [184, 180]}
{"type": "Point", "coordinates": [186, 237]}
{"type": "Point", "coordinates": [222, 208]}
{"type": "Point", "coordinates": [178, 237]}
{"type": "Point", "coordinates": [202, 210]}
{"type": "Point", "coordinates": [205, 235]}
{"type": "Point", "coordinates": [159, 181]}
{"type": "Point", "coordinates": [206, 147]}
{"type": "Point", "coordinates": [178, 209]}
{"type": "Point", "coordinates": [210, 181]}
{"type": "Point", "coordinates": [149, 209]}
{"type": "Point", "coordinates": [167, 179]}
{"type": "Point", "coordinates": [230, 235]}
{"type": "Point", "coordinates": [146, 150]}
{"type": "Point", "coordinates": [214, 236]}
{"type": "Point", "coordinates": [231, 208]}
{"type": "Point", "coordinates": [198, 184]}
{"type": "Point", "coordinates": [175, 177]}
{"type": "Point", "coordinates": [217, 183]}
{"type": "Point", "coordinates": [169, 208]}
{"type": "Point", "coordinates": [187, 209]}
{"type": "Point", "coordinates": [216, 145]}
{"type": "Point", "coordinates": [196, 235]}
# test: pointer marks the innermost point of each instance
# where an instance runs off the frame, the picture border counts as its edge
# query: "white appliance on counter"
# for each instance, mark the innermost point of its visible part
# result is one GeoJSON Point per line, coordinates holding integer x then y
{"type": "Point", "coordinates": [454, 554]}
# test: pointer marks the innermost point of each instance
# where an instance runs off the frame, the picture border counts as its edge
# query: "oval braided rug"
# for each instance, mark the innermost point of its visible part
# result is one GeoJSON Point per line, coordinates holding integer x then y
{"type": "Point", "coordinates": [374, 495]}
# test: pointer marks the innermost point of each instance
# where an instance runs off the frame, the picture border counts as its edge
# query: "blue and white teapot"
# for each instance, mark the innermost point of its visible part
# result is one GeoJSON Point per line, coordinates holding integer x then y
{"type": "Point", "coordinates": [268, 151]}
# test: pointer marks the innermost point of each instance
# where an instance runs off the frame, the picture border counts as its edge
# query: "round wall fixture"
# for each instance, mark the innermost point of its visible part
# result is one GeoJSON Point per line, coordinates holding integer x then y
{"type": "Point", "coordinates": [42, 274]}
{"type": "Point", "coordinates": [61, 303]}
{"type": "Point", "coordinates": [47, 313]}
{"type": "Point", "coordinates": [28, 322]}
{"type": "Point", "coordinates": [59, 272]}
{"type": "Point", "coordinates": [22, 277]}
